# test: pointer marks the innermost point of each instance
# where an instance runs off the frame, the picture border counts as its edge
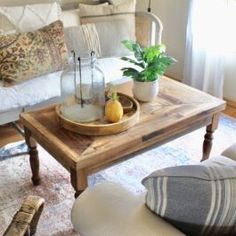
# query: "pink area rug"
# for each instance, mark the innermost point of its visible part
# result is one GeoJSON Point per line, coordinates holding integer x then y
{"type": "Point", "coordinates": [15, 176]}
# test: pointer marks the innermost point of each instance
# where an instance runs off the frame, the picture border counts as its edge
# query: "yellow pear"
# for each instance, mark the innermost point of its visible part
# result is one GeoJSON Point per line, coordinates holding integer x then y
{"type": "Point", "coordinates": [113, 109]}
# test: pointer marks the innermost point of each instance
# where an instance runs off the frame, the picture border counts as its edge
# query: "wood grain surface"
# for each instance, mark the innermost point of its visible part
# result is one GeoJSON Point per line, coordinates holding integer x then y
{"type": "Point", "coordinates": [177, 110]}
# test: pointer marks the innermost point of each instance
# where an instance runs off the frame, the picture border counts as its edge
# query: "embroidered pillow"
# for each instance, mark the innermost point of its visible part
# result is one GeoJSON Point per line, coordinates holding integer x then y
{"type": "Point", "coordinates": [28, 18]}
{"type": "Point", "coordinates": [27, 55]}
{"type": "Point", "coordinates": [197, 199]}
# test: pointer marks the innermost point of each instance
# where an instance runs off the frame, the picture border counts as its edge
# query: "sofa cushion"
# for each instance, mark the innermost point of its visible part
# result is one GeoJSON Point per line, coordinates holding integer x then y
{"type": "Point", "coordinates": [28, 18]}
{"type": "Point", "coordinates": [110, 209]}
{"type": "Point", "coordinates": [197, 199]}
{"type": "Point", "coordinates": [27, 55]}
{"type": "Point", "coordinates": [30, 92]}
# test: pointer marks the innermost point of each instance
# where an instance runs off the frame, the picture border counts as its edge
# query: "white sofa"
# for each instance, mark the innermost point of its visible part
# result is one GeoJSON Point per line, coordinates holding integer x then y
{"type": "Point", "coordinates": [45, 90]}
{"type": "Point", "coordinates": [110, 209]}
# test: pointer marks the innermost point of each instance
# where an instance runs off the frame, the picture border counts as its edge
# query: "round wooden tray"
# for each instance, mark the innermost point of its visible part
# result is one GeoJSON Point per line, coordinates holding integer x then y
{"type": "Point", "coordinates": [102, 127]}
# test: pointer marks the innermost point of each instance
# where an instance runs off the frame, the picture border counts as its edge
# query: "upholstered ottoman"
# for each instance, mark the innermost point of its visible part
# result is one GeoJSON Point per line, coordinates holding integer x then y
{"type": "Point", "coordinates": [109, 209]}
{"type": "Point", "coordinates": [197, 199]}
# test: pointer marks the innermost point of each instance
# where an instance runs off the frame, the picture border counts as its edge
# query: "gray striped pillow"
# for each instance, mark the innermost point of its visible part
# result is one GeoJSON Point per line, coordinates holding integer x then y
{"type": "Point", "coordinates": [197, 199]}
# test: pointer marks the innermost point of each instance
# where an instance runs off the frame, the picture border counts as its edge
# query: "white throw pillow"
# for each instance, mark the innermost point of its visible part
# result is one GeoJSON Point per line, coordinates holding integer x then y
{"type": "Point", "coordinates": [109, 25]}
{"type": "Point", "coordinates": [62, 2]}
{"type": "Point", "coordinates": [28, 18]}
{"type": "Point", "coordinates": [105, 38]}
{"type": "Point", "coordinates": [75, 40]}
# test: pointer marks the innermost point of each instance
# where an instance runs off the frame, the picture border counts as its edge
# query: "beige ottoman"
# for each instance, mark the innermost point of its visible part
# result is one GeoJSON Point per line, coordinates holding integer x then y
{"type": "Point", "coordinates": [108, 209]}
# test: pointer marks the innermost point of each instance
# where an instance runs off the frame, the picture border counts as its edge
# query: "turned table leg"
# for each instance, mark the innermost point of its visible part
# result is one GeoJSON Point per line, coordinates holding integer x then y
{"type": "Point", "coordinates": [207, 144]}
{"type": "Point", "coordinates": [33, 153]}
{"type": "Point", "coordinates": [79, 181]}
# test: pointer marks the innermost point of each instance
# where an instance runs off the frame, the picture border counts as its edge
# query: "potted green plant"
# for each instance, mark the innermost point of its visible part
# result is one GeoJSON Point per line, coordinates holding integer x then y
{"type": "Point", "coordinates": [149, 64]}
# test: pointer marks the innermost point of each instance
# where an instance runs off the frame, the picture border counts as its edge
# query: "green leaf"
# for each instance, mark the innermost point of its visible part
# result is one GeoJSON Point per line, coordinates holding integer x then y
{"type": "Point", "coordinates": [153, 52]}
{"type": "Point", "coordinates": [130, 72]}
{"type": "Point", "coordinates": [149, 74]}
{"type": "Point", "coordinates": [138, 52]}
{"type": "Point", "coordinates": [140, 64]}
{"type": "Point", "coordinates": [128, 44]}
{"type": "Point", "coordinates": [161, 48]}
{"type": "Point", "coordinates": [167, 60]}
{"type": "Point", "coordinates": [152, 60]}
{"type": "Point", "coordinates": [134, 47]}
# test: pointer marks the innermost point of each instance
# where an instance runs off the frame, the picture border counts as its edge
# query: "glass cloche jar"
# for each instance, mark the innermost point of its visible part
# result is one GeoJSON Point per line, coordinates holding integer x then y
{"type": "Point", "coordinates": [82, 89]}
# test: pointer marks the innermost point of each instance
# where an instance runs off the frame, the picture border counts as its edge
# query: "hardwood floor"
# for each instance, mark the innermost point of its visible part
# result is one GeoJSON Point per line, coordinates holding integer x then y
{"type": "Point", "coordinates": [231, 111]}
{"type": "Point", "coordinates": [9, 134]}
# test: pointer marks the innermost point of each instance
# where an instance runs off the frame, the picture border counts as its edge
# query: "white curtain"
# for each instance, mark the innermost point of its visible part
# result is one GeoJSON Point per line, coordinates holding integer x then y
{"type": "Point", "coordinates": [211, 35]}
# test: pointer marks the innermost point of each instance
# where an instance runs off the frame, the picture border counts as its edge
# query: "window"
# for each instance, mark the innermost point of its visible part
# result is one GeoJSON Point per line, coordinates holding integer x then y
{"type": "Point", "coordinates": [214, 25]}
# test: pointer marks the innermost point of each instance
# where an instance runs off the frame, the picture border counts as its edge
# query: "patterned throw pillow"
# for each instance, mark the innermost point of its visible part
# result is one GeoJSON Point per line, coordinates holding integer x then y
{"type": "Point", "coordinates": [27, 55]}
{"type": "Point", "coordinates": [197, 199]}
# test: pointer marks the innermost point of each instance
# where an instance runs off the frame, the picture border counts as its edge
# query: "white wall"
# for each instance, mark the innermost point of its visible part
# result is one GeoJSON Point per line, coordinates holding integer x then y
{"type": "Point", "coordinates": [173, 14]}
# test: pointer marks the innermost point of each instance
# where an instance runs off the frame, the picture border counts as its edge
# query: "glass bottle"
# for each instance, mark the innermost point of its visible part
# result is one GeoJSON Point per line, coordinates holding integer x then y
{"type": "Point", "coordinates": [83, 89]}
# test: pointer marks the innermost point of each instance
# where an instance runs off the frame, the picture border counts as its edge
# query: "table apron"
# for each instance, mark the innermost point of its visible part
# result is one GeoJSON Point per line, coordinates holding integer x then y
{"type": "Point", "coordinates": [147, 142]}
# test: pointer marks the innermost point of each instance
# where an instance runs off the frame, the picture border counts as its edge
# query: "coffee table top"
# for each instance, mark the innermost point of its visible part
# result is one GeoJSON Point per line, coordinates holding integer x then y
{"type": "Point", "coordinates": [178, 109]}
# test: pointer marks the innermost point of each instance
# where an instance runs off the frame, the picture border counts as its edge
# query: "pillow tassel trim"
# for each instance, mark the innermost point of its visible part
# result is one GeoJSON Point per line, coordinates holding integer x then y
{"type": "Point", "coordinates": [91, 38]}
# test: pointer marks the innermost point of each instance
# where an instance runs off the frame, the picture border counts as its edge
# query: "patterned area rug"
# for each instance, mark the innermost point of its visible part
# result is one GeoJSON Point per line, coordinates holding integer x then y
{"type": "Point", "coordinates": [15, 176]}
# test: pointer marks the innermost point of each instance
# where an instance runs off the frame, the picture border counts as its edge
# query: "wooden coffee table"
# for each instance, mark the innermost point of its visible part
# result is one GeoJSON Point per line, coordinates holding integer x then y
{"type": "Point", "coordinates": [178, 109]}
